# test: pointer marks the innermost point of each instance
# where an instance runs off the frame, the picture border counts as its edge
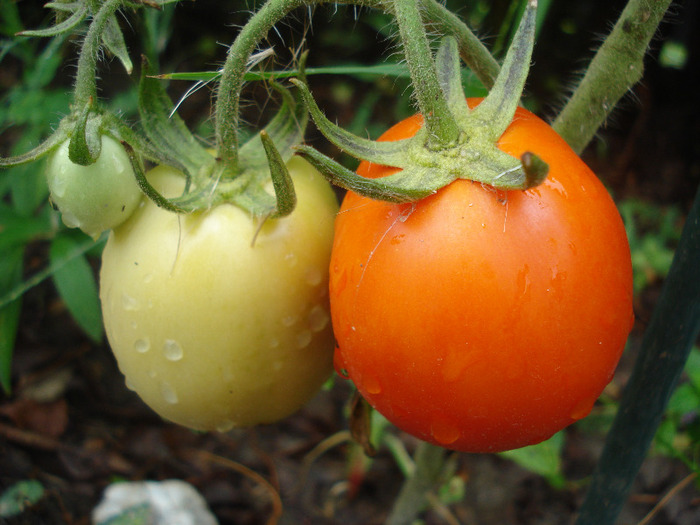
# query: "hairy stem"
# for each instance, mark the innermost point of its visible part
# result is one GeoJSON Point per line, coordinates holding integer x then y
{"type": "Point", "coordinates": [472, 51]}
{"type": "Point", "coordinates": [439, 121]}
{"type": "Point", "coordinates": [86, 78]}
{"type": "Point", "coordinates": [229, 90]}
{"type": "Point", "coordinates": [616, 67]}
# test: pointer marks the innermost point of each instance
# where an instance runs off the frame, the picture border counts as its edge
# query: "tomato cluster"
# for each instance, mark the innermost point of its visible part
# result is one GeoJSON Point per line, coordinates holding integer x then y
{"type": "Point", "coordinates": [477, 319]}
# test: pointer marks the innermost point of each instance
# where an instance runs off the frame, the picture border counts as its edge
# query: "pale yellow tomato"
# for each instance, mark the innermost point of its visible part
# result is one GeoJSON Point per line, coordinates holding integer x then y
{"type": "Point", "coordinates": [216, 324]}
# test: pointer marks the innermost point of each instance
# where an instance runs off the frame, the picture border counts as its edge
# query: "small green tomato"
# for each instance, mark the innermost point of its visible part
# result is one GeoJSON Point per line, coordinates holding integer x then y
{"type": "Point", "coordinates": [212, 330]}
{"type": "Point", "coordinates": [96, 197]}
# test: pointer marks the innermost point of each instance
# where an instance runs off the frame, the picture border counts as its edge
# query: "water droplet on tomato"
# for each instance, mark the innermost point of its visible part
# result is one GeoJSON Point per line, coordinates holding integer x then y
{"type": "Point", "coordinates": [291, 259]}
{"type": "Point", "coordinates": [318, 318]}
{"type": "Point", "coordinates": [339, 363]}
{"type": "Point", "coordinates": [582, 409]}
{"type": "Point", "coordinates": [457, 360]}
{"type": "Point", "coordinates": [303, 339]}
{"type": "Point", "coordinates": [273, 343]}
{"type": "Point", "coordinates": [129, 303]}
{"type": "Point", "coordinates": [142, 345]}
{"type": "Point", "coordinates": [172, 350]}
{"type": "Point", "coordinates": [224, 426]}
{"type": "Point", "coordinates": [397, 239]}
{"type": "Point", "coordinates": [339, 282]}
{"type": "Point", "coordinates": [168, 392]}
{"type": "Point", "coordinates": [58, 187]}
{"type": "Point", "coordinates": [70, 220]}
{"type": "Point", "coordinates": [444, 432]}
{"type": "Point", "coordinates": [314, 276]}
{"type": "Point", "coordinates": [152, 374]}
{"type": "Point", "coordinates": [372, 385]}
{"type": "Point", "coordinates": [290, 320]}
{"type": "Point", "coordinates": [523, 281]}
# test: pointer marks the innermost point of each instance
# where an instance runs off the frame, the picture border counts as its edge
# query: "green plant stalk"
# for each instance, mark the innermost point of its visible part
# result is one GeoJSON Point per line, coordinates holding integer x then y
{"type": "Point", "coordinates": [233, 72]}
{"type": "Point", "coordinates": [86, 78]}
{"type": "Point", "coordinates": [674, 327]}
{"type": "Point", "coordinates": [439, 121]}
{"type": "Point", "coordinates": [232, 76]}
{"type": "Point", "coordinates": [471, 49]}
{"type": "Point", "coordinates": [616, 67]}
{"type": "Point", "coordinates": [428, 474]}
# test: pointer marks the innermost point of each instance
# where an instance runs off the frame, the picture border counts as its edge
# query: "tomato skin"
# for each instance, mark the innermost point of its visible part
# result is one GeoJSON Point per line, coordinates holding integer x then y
{"type": "Point", "coordinates": [212, 331]}
{"type": "Point", "coordinates": [483, 320]}
{"type": "Point", "coordinates": [97, 197]}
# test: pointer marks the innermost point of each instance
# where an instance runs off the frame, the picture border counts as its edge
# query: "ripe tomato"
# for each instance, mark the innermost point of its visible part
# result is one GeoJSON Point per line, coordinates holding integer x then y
{"type": "Point", "coordinates": [97, 197]}
{"type": "Point", "coordinates": [211, 330]}
{"type": "Point", "coordinates": [483, 320]}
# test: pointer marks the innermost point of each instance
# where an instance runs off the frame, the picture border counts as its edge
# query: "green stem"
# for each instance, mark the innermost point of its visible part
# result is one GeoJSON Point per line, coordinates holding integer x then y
{"type": "Point", "coordinates": [618, 65]}
{"type": "Point", "coordinates": [474, 53]}
{"type": "Point", "coordinates": [232, 75]}
{"type": "Point", "coordinates": [86, 78]}
{"type": "Point", "coordinates": [472, 50]}
{"type": "Point", "coordinates": [439, 121]}
{"type": "Point", "coordinates": [429, 469]}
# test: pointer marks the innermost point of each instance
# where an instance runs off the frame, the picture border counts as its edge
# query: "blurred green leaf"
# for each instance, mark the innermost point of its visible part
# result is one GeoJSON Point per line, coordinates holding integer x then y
{"type": "Point", "coordinates": [20, 496]}
{"type": "Point", "coordinates": [543, 459]}
{"type": "Point", "coordinates": [76, 284]}
{"type": "Point", "coordinates": [10, 275]}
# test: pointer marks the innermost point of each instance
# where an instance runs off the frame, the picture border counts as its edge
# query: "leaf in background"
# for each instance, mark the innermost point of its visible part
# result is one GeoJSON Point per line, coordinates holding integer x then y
{"type": "Point", "coordinates": [543, 459]}
{"type": "Point", "coordinates": [19, 496]}
{"type": "Point", "coordinates": [76, 284]}
{"type": "Point", "coordinates": [10, 276]}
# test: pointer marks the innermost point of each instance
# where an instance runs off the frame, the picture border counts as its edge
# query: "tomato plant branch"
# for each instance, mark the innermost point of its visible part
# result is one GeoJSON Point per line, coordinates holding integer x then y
{"type": "Point", "coordinates": [439, 121]}
{"type": "Point", "coordinates": [430, 462]}
{"type": "Point", "coordinates": [86, 78]}
{"type": "Point", "coordinates": [232, 76]}
{"type": "Point", "coordinates": [472, 50]}
{"type": "Point", "coordinates": [673, 330]}
{"type": "Point", "coordinates": [616, 67]}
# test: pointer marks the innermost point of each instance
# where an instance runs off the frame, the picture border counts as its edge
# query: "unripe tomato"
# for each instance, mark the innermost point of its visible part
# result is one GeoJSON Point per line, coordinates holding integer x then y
{"type": "Point", "coordinates": [96, 197]}
{"type": "Point", "coordinates": [483, 320]}
{"type": "Point", "coordinates": [211, 329]}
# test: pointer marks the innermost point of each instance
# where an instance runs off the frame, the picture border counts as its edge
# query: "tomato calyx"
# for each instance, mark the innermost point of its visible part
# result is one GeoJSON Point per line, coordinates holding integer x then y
{"type": "Point", "coordinates": [258, 181]}
{"type": "Point", "coordinates": [429, 160]}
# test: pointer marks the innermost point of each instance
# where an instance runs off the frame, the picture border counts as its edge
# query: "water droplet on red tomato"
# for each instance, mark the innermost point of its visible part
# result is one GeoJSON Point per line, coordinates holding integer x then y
{"type": "Point", "coordinates": [339, 364]}
{"type": "Point", "coordinates": [371, 384]}
{"type": "Point", "coordinates": [444, 432]}
{"type": "Point", "coordinates": [582, 409]}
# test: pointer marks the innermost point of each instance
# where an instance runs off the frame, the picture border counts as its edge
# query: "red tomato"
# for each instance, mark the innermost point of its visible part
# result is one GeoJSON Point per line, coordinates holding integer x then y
{"type": "Point", "coordinates": [478, 319]}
